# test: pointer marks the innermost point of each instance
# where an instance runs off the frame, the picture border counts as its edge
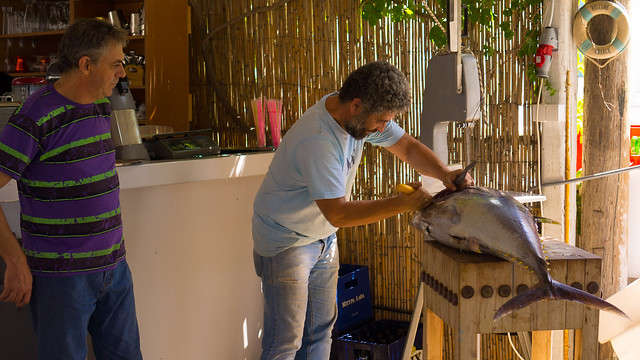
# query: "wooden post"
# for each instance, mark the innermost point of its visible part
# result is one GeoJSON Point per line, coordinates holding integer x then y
{"type": "Point", "coordinates": [553, 144]}
{"type": "Point", "coordinates": [605, 203]}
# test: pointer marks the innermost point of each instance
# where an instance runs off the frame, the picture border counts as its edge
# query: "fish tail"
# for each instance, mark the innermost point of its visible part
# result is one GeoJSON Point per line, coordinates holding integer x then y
{"type": "Point", "coordinates": [557, 291]}
{"type": "Point", "coordinates": [533, 295]}
{"type": "Point", "coordinates": [565, 292]}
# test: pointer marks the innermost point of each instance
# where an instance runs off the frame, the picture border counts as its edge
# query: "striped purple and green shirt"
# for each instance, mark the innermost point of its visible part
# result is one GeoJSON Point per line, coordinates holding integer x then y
{"type": "Point", "coordinates": [63, 159]}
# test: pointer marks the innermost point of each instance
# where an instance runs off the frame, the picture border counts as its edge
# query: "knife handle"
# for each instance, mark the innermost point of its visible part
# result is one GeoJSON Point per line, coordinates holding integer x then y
{"type": "Point", "coordinates": [405, 189]}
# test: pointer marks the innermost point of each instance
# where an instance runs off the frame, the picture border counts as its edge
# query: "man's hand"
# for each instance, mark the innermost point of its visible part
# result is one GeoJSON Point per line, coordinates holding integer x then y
{"type": "Point", "coordinates": [451, 176]}
{"type": "Point", "coordinates": [17, 283]}
{"type": "Point", "coordinates": [416, 199]}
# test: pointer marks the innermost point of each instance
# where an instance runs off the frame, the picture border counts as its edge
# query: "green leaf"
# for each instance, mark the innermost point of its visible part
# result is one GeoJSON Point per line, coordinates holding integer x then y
{"type": "Point", "coordinates": [488, 51]}
{"type": "Point", "coordinates": [509, 34]}
{"type": "Point", "coordinates": [550, 88]}
{"type": "Point", "coordinates": [438, 37]}
{"type": "Point", "coordinates": [474, 16]}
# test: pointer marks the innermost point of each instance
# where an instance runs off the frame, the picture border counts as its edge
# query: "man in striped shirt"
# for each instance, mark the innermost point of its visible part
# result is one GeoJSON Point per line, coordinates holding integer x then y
{"type": "Point", "coordinates": [71, 266]}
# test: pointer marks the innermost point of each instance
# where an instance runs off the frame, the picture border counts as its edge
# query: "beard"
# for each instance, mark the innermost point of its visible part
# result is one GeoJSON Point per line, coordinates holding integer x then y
{"type": "Point", "coordinates": [356, 127]}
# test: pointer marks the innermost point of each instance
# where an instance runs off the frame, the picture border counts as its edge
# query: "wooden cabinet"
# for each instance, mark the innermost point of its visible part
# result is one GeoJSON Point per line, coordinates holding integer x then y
{"type": "Point", "coordinates": [165, 46]}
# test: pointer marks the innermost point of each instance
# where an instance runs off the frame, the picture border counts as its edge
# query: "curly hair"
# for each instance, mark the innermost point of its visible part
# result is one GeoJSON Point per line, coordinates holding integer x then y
{"type": "Point", "coordinates": [380, 86]}
{"type": "Point", "coordinates": [87, 37]}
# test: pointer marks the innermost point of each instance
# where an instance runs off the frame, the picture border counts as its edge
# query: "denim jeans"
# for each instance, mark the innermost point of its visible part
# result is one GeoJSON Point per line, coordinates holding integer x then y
{"type": "Point", "coordinates": [64, 308]}
{"type": "Point", "coordinates": [299, 286]}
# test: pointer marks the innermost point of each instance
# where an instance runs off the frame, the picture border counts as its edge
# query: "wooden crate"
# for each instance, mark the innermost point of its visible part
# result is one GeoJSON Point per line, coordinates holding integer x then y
{"type": "Point", "coordinates": [466, 289]}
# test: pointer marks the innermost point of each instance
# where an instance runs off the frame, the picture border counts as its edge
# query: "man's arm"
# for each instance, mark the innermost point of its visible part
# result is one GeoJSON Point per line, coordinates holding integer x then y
{"type": "Point", "coordinates": [425, 161]}
{"type": "Point", "coordinates": [17, 278]}
{"type": "Point", "coordinates": [342, 213]}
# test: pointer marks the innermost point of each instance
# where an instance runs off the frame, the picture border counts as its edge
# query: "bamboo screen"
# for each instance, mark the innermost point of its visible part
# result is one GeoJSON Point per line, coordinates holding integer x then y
{"type": "Point", "coordinates": [300, 50]}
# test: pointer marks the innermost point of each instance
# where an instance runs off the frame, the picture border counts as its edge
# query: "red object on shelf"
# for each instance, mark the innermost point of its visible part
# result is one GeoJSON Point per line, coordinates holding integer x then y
{"type": "Point", "coordinates": [579, 152]}
{"type": "Point", "coordinates": [21, 65]}
{"type": "Point", "coordinates": [635, 131]}
{"type": "Point", "coordinates": [633, 159]}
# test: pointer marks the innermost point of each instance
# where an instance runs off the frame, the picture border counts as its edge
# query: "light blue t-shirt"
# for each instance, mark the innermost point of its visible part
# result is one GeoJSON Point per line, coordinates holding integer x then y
{"type": "Point", "coordinates": [317, 159]}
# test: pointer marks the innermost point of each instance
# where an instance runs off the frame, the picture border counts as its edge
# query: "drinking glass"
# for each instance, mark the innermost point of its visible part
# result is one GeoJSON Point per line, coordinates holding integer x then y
{"type": "Point", "coordinates": [43, 16]}
{"type": "Point", "coordinates": [30, 20]}
{"type": "Point", "coordinates": [18, 22]}
{"type": "Point", "coordinates": [7, 64]}
{"type": "Point", "coordinates": [64, 13]}
{"type": "Point", "coordinates": [7, 20]}
{"type": "Point", "coordinates": [54, 17]}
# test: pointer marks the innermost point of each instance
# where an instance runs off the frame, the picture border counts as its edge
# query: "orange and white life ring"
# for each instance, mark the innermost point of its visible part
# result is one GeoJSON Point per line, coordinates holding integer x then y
{"type": "Point", "coordinates": [620, 30]}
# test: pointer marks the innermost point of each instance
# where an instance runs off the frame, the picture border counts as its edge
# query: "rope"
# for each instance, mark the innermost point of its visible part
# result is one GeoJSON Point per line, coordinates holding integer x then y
{"type": "Point", "coordinates": [585, 23]}
{"type": "Point", "coordinates": [513, 346]}
{"type": "Point", "coordinates": [433, 16]}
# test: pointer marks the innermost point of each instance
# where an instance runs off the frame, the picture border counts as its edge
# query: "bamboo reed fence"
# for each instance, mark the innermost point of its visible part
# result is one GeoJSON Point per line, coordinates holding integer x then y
{"type": "Point", "coordinates": [301, 50]}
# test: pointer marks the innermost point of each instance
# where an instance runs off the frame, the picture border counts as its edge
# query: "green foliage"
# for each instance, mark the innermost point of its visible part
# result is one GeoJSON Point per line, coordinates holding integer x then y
{"type": "Point", "coordinates": [480, 12]}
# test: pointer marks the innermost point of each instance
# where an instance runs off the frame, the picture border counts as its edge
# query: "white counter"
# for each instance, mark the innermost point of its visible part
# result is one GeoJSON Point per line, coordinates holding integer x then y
{"type": "Point", "coordinates": [157, 173]}
{"type": "Point", "coordinates": [167, 172]}
{"type": "Point", "coordinates": [187, 228]}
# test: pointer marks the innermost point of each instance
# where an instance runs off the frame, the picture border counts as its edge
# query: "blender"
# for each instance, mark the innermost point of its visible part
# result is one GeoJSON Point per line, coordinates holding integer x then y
{"type": "Point", "coordinates": [125, 132]}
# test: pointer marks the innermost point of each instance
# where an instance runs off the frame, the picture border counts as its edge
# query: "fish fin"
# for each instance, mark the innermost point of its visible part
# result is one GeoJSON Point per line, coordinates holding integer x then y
{"type": "Point", "coordinates": [545, 220]}
{"type": "Point", "coordinates": [565, 292]}
{"type": "Point", "coordinates": [557, 291]}
{"type": "Point", "coordinates": [533, 295]}
{"type": "Point", "coordinates": [474, 245]}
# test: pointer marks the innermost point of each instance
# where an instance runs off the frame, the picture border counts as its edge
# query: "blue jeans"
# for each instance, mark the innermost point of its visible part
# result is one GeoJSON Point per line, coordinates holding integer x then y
{"type": "Point", "coordinates": [64, 308]}
{"type": "Point", "coordinates": [299, 286]}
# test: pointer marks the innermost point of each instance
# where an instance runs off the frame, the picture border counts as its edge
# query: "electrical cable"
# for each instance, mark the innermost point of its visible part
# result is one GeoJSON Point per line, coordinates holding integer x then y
{"type": "Point", "coordinates": [537, 123]}
{"type": "Point", "coordinates": [513, 346]}
{"type": "Point", "coordinates": [553, 3]}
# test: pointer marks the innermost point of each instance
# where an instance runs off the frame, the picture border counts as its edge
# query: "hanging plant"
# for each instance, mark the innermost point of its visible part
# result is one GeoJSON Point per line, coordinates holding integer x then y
{"type": "Point", "coordinates": [481, 13]}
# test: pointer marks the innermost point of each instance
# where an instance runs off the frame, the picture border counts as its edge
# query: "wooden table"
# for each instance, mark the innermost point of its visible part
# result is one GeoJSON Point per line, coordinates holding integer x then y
{"type": "Point", "coordinates": [466, 289]}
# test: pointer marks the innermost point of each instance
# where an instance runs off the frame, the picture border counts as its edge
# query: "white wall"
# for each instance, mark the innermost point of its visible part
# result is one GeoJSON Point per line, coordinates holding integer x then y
{"type": "Point", "coordinates": [189, 247]}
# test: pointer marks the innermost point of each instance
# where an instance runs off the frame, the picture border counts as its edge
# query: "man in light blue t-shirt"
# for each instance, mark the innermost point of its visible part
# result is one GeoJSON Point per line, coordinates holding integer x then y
{"type": "Point", "coordinates": [304, 199]}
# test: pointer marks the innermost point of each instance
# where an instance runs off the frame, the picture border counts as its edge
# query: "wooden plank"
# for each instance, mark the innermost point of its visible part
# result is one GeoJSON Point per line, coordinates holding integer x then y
{"type": "Point", "coordinates": [168, 90]}
{"type": "Point", "coordinates": [589, 332]}
{"type": "Point", "coordinates": [557, 309]}
{"type": "Point", "coordinates": [433, 335]}
{"type": "Point", "coordinates": [574, 315]}
{"type": "Point", "coordinates": [469, 318]}
{"type": "Point", "coordinates": [541, 345]}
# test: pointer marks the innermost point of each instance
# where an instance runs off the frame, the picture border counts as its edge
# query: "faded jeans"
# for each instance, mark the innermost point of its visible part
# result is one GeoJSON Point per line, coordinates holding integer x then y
{"type": "Point", "coordinates": [299, 286]}
{"type": "Point", "coordinates": [64, 308]}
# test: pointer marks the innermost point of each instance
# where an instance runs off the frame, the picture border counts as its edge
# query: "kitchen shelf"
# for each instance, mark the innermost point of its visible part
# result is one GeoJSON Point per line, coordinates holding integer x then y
{"type": "Point", "coordinates": [53, 33]}
{"type": "Point", "coordinates": [166, 79]}
{"type": "Point", "coordinates": [23, 74]}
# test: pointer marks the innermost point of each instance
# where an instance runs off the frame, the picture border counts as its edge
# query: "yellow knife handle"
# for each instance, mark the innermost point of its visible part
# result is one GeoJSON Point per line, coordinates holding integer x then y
{"type": "Point", "coordinates": [404, 188]}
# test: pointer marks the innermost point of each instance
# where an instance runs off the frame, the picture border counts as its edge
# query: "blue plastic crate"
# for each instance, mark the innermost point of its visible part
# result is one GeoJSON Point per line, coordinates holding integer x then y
{"type": "Point", "coordinates": [380, 340]}
{"type": "Point", "coordinates": [354, 298]}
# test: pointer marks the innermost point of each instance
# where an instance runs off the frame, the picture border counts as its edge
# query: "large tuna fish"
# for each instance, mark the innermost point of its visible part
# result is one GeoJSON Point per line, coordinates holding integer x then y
{"type": "Point", "coordinates": [492, 222]}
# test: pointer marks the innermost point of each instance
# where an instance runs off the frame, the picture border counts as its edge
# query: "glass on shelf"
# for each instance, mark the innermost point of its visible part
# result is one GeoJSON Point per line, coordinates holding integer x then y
{"type": "Point", "coordinates": [18, 22]}
{"type": "Point", "coordinates": [30, 19]}
{"type": "Point", "coordinates": [64, 14]}
{"type": "Point", "coordinates": [7, 64]}
{"type": "Point", "coordinates": [42, 18]}
{"type": "Point", "coordinates": [39, 64]}
{"type": "Point", "coordinates": [58, 15]}
{"type": "Point", "coordinates": [7, 20]}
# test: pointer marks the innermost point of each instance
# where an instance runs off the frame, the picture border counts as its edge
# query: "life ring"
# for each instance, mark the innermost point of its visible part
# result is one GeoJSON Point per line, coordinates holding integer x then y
{"type": "Point", "coordinates": [620, 30]}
